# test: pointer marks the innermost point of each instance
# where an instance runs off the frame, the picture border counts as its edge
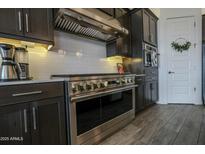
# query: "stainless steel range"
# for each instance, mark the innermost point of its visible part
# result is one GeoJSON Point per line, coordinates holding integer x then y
{"type": "Point", "coordinates": [99, 105]}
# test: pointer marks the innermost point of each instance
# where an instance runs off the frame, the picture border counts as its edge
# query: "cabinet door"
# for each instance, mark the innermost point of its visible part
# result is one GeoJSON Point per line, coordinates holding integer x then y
{"type": "Point", "coordinates": [153, 31]}
{"type": "Point", "coordinates": [203, 28]}
{"type": "Point", "coordinates": [48, 122]}
{"type": "Point", "coordinates": [14, 124]}
{"type": "Point", "coordinates": [38, 24]}
{"type": "Point", "coordinates": [146, 26]}
{"type": "Point", "coordinates": [11, 21]}
{"type": "Point", "coordinates": [140, 95]}
{"type": "Point", "coordinates": [119, 12]}
{"type": "Point", "coordinates": [154, 88]}
{"type": "Point", "coordinates": [148, 93]}
{"type": "Point", "coordinates": [120, 46]}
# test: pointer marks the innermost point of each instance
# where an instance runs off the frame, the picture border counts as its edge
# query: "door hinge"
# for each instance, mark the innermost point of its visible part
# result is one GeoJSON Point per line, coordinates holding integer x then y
{"type": "Point", "coordinates": [194, 24]}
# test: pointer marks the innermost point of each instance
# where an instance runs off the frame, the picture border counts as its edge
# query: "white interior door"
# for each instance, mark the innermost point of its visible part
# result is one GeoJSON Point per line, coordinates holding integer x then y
{"type": "Point", "coordinates": [180, 65]}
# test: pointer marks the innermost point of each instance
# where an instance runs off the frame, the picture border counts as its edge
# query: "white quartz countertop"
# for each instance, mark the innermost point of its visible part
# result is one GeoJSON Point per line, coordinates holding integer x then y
{"type": "Point", "coordinates": [29, 82]}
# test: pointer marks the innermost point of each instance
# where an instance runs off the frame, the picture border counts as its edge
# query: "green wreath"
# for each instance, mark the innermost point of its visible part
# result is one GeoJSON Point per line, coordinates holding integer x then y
{"type": "Point", "coordinates": [181, 47]}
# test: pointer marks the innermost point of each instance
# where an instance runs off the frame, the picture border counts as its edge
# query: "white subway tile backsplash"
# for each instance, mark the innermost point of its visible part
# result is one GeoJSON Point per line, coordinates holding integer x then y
{"type": "Point", "coordinates": [91, 58]}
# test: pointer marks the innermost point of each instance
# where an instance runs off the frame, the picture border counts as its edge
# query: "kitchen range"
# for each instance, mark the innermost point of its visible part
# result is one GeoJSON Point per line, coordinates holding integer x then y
{"type": "Point", "coordinates": [99, 104]}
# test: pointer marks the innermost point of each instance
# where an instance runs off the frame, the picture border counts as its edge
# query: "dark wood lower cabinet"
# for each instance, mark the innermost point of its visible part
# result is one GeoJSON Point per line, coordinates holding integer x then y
{"type": "Point", "coordinates": [15, 124]}
{"type": "Point", "coordinates": [154, 90]}
{"type": "Point", "coordinates": [48, 121]}
{"type": "Point", "coordinates": [41, 122]}
{"type": "Point", "coordinates": [151, 92]}
{"type": "Point", "coordinates": [140, 95]}
{"type": "Point", "coordinates": [33, 118]}
{"type": "Point", "coordinates": [146, 95]}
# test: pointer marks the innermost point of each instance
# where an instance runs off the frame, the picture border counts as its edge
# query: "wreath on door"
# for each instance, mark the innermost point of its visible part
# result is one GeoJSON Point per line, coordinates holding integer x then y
{"type": "Point", "coordinates": [181, 44]}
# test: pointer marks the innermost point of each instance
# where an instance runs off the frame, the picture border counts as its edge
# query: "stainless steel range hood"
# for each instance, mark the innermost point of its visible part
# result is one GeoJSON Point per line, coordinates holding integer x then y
{"type": "Point", "coordinates": [91, 23]}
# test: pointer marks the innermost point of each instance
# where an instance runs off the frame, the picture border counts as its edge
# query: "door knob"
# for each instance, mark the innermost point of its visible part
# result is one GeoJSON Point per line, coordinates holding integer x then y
{"type": "Point", "coordinates": [171, 72]}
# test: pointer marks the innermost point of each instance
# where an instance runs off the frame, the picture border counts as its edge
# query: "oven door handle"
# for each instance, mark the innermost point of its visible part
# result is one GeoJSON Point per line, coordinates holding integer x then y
{"type": "Point", "coordinates": [74, 99]}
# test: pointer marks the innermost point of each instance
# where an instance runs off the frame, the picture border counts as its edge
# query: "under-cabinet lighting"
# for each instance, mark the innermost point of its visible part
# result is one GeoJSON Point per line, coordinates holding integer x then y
{"type": "Point", "coordinates": [19, 43]}
{"type": "Point", "coordinates": [79, 54]}
{"type": "Point", "coordinates": [50, 46]}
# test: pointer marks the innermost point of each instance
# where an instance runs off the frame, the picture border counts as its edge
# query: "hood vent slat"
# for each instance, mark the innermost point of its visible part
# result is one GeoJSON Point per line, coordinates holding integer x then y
{"type": "Point", "coordinates": [84, 23]}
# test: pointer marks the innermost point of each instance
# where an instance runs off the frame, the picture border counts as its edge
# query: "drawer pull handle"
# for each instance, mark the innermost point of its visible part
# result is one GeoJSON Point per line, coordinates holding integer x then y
{"type": "Point", "coordinates": [19, 18]}
{"type": "Point", "coordinates": [27, 30]}
{"type": "Point", "coordinates": [139, 79]}
{"type": "Point", "coordinates": [34, 118]}
{"type": "Point", "coordinates": [28, 93]}
{"type": "Point", "coordinates": [25, 120]}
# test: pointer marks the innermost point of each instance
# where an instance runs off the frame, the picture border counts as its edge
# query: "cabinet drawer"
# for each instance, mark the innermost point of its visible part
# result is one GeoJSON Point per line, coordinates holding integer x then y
{"type": "Point", "coordinates": [139, 79]}
{"type": "Point", "coordinates": [151, 78]}
{"type": "Point", "coordinates": [30, 92]}
{"type": "Point", "coordinates": [150, 71]}
{"type": "Point", "coordinates": [151, 74]}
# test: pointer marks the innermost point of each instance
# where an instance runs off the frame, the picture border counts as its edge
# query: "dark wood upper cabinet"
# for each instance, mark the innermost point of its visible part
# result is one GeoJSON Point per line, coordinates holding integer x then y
{"type": "Point", "coordinates": [14, 124]}
{"type": "Point", "coordinates": [11, 21]}
{"type": "Point", "coordinates": [203, 28]}
{"type": "Point", "coordinates": [149, 27]}
{"type": "Point", "coordinates": [114, 12]}
{"type": "Point", "coordinates": [35, 25]}
{"type": "Point", "coordinates": [146, 23]}
{"type": "Point", "coordinates": [121, 45]}
{"type": "Point", "coordinates": [153, 30]}
{"type": "Point", "coordinates": [38, 23]}
{"type": "Point", "coordinates": [146, 26]}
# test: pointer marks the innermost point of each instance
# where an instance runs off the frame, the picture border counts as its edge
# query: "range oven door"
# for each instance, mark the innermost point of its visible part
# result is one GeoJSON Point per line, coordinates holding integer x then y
{"type": "Point", "coordinates": [93, 112]}
{"type": "Point", "coordinates": [88, 114]}
{"type": "Point", "coordinates": [116, 104]}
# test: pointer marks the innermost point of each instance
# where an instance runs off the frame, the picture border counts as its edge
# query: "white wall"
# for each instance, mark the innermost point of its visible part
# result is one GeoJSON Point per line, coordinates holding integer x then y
{"type": "Point", "coordinates": [90, 59]}
{"type": "Point", "coordinates": [203, 11]}
{"type": "Point", "coordinates": [171, 13]}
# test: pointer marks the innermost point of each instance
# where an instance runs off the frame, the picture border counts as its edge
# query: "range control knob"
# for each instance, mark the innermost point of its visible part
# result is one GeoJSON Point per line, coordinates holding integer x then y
{"type": "Point", "coordinates": [102, 85]}
{"type": "Point", "coordinates": [95, 86]}
{"type": "Point", "coordinates": [80, 88]}
{"type": "Point", "coordinates": [117, 81]}
{"type": "Point", "coordinates": [88, 87]}
{"type": "Point", "coordinates": [105, 83]}
{"type": "Point", "coordinates": [123, 81]}
{"type": "Point", "coordinates": [98, 84]}
{"type": "Point", "coordinates": [129, 80]}
{"type": "Point", "coordinates": [74, 89]}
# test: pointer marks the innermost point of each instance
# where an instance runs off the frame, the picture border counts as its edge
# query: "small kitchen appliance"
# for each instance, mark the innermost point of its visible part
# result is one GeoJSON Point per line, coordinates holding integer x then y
{"type": "Point", "coordinates": [21, 57]}
{"type": "Point", "coordinates": [9, 68]}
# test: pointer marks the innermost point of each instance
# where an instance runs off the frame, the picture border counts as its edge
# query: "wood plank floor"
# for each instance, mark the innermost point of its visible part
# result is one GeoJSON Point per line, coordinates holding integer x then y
{"type": "Point", "coordinates": [163, 125]}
